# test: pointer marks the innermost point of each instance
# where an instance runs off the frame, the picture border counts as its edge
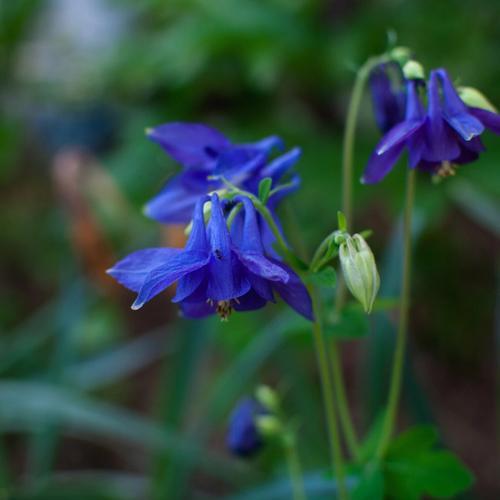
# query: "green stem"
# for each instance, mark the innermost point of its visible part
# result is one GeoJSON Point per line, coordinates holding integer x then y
{"type": "Point", "coordinates": [294, 468]}
{"type": "Point", "coordinates": [399, 354]}
{"type": "Point", "coordinates": [347, 178]}
{"type": "Point", "coordinates": [350, 132]}
{"type": "Point", "coordinates": [328, 398]}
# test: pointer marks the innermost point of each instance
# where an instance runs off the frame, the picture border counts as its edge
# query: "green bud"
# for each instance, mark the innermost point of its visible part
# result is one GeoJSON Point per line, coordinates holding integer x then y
{"type": "Point", "coordinates": [267, 397]}
{"type": "Point", "coordinates": [360, 270]}
{"type": "Point", "coordinates": [268, 425]}
{"type": "Point", "coordinates": [476, 99]}
{"type": "Point", "coordinates": [400, 54]}
{"type": "Point", "coordinates": [413, 70]}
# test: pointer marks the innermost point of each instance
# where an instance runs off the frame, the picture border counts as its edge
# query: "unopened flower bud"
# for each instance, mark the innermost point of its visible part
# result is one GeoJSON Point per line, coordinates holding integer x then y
{"type": "Point", "coordinates": [267, 397]}
{"type": "Point", "coordinates": [268, 425]}
{"type": "Point", "coordinates": [476, 99]}
{"type": "Point", "coordinates": [359, 270]}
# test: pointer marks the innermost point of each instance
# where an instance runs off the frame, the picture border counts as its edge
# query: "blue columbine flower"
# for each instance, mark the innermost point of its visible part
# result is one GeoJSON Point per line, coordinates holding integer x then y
{"type": "Point", "coordinates": [213, 273]}
{"type": "Point", "coordinates": [243, 437]}
{"type": "Point", "coordinates": [388, 96]}
{"type": "Point", "coordinates": [204, 152]}
{"type": "Point", "coordinates": [437, 140]}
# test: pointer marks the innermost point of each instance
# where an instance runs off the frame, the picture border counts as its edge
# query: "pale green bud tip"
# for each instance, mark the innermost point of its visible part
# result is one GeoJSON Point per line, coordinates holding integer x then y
{"type": "Point", "coordinates": [476, 99]}
{"type": "Point", "coordinates": [268, 425]}
{"type": "Point", "coordinates": [267, 397]}
{"type": "Point", "coordinates": [360, 270]}
{"type": "Point", "coordinates": [400, 54]}
{"type": "Point", "coordinates": [413, 70]}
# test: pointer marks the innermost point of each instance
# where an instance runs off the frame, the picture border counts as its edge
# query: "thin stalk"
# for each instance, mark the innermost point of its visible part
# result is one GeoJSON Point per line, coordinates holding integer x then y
{"type": "Point", "coordinates": [294, 468]}
{"type": "Point", "coordinates": [347, 182]}
{"type": "Point", "coordinates": [399, 354]}
{"type": "Point", "coordinates": [328, 398]}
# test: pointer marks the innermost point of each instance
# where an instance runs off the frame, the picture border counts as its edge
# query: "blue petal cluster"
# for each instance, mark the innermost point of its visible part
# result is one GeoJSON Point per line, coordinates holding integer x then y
{"type": "Point", "coordinates": [204, 152]}
{"type": "Point", "coordinates": [243, 437]}
{"type": "Point", "coordinates": [221, 268]}
{"type": "Point", "coordinates": [438, 138]}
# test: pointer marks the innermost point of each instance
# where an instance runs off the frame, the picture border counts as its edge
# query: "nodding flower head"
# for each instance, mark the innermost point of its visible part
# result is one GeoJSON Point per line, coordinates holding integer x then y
{"type": "Point", "coordinates": [216, 272]}
{"type": "Point", "coordinates": [243, 437]}
{"type": "Point", "coordinates": [204, 152]}
{"type": "Point", "coordinates": [438, 139]}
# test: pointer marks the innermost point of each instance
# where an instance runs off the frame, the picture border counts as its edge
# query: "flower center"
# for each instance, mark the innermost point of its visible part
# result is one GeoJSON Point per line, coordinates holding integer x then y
{"type": "Point", "coordinates": [224, 309]}
{"type": "Point", "coordinates": [446, 169]}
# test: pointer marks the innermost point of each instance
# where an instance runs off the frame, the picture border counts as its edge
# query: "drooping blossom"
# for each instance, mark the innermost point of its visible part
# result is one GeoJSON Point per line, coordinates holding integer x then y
{"type": "Point", "coordinates": [214, 273]}
{"type": "Point", "coordinates": [438, 139]}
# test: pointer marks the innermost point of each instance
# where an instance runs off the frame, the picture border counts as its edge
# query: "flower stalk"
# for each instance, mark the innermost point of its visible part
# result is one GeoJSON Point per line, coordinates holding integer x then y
{"type": "Point", "coordinates": [397, 368]}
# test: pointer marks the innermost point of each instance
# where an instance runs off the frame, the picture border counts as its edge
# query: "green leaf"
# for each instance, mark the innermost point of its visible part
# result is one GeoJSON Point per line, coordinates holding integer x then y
{"type": "Point", "coordinates": [371, 483]}
{"type": "Point", "coordinates": [435, 473]}
{"type": "Point", "coordinates": [327, 277]}
{"type": "Point", "coordinates": [264, 189]}
{"type": "Point", "coordinates": [413, 469]}
{"type": "Point", "coordinates": [352, 324]}
{"type": "Point", "coordinates": [438, 474]}
{"type": "Point", "coordinates": [418, 439]}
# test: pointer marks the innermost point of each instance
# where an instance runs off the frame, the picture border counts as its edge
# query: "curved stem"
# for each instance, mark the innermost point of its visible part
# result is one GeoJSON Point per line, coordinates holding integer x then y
{"type": "Point", "coordinates": [350, 132]}
{"type": "Point", "coordinates": [347, 177]}
{"type": "Point", "coordinates": [399, 354]}
{"type": "Point", "coordinates": [328, 398]}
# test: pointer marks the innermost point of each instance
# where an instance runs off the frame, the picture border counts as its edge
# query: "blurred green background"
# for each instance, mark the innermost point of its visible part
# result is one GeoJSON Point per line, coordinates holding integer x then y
{"type": "Point", "coordinates": [99, 402]}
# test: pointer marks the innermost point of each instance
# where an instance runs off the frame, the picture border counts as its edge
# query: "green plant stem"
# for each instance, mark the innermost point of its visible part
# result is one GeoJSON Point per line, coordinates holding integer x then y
{"type": "Point", "coordinates": [399, 354]}
{"type": "Point", "coordinates": [294, 468]}
{"type": "Point", "coordinates": [328, 398]}
{"type": "Point", "coordinates": [347, 178]}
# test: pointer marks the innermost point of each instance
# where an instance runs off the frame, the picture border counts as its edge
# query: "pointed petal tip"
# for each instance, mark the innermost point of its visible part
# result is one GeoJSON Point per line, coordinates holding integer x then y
{"type": "Point", "coordinates": [148, 131]}
{"type": "Point", "coordinates": [135, 306]}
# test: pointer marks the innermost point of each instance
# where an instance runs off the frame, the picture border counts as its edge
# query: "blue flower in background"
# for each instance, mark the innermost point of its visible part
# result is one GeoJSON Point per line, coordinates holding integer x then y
{"type": "Point", "coordinates": [243, 437]}
{"type": "Point", "coordinates": [215, 272]}
{"type": "Point", "coordinates": [388, 97]}
{"type": "Point", "coordinates": [437, 140]}
{"type": "Point", "coordinates": [203, 152]}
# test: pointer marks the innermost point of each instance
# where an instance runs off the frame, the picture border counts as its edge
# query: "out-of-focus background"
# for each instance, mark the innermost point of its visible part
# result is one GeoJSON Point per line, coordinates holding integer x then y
{"type": "Point", "coordinates": [99, 402]}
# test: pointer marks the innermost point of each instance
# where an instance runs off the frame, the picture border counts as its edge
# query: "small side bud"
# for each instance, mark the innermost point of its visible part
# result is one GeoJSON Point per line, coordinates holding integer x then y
{"type": "Point", "coordinates": [413, 70]}
{"type": "Point", "coordinates": [268, 425]}
{"type": "Point", "coordinates": [476, 99]}
{"type": "Point", "coordinates": [268, 398]}
{"type": "Point", "coordinates": [359, 270]}
{"type": "Point", "coordinates": [401, 55]}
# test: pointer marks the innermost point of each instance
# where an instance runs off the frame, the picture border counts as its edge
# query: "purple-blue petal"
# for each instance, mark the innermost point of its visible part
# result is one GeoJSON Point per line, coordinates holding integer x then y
{"type": "Point", "coordinates": [456, 112]}
{"type": "Point", "coordinates": [398, 135]}
{"type": "Point", "coordinates": [196, 310]}
{"type": "Point", "coordinates": [191, 144]}
{"type": "Point", "coordinates": [174, 204]}
{"type": "Point", "coordinates": [132, 271]}
{"type": "Point", "coordinates": [174, 269]}
{"type": "Point", "coordinates": [294, 292]}
{"type": "Point", "coordinates": [251, 301]}
{"type": "Point", "coordinates": [387, 103]}
{"type": "Point", "coordinates": [489, 119]}
{"type": "Point", "coordinates": [280, 165]}
{"type": "Point", "coordinates": [380, 165]}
